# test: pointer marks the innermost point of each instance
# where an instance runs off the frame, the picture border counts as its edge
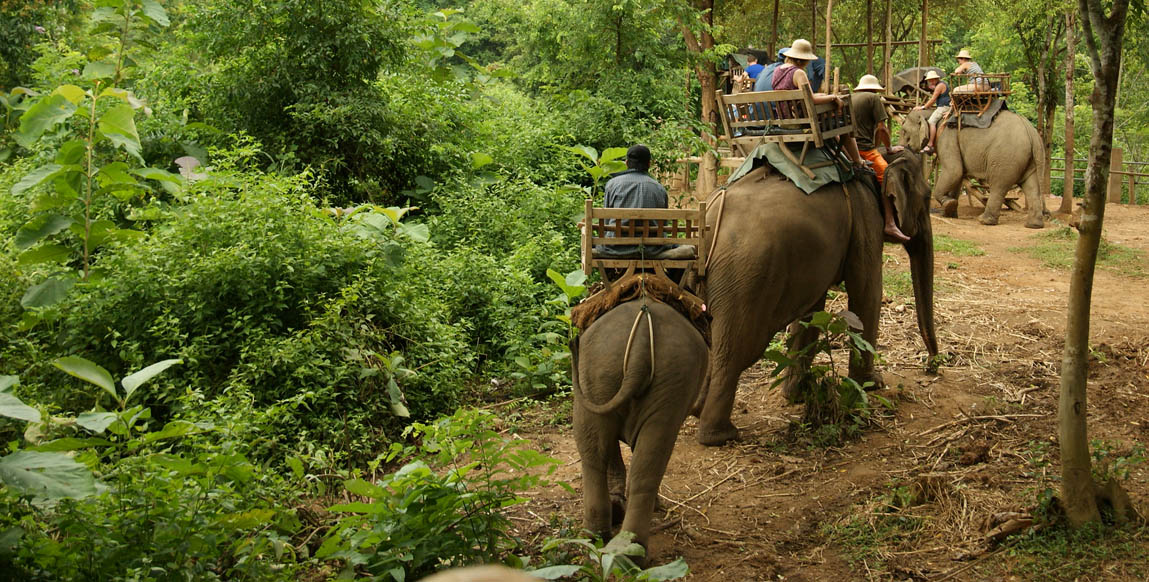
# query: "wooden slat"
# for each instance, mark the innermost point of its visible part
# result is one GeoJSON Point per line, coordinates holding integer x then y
{"type": "Point", "coordinates": [645, 213]}
{"type": "Point", "coordinates": [646, 240]}
{"type": "Point", "coordinates": [588, 217]}
{"type": "Point", "coordinates": [650, 263]}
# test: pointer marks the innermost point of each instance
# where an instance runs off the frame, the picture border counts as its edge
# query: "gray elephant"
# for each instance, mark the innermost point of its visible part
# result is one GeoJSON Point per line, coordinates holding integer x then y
{"type": "Point", "coordinates": [1006, 153]}
{"type": "Point", "coordinates": [778, 250]}
{"type": "Point", "coordinates": [642, 405]}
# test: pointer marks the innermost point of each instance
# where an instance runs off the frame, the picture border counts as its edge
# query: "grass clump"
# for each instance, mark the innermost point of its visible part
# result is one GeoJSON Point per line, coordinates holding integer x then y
{"type": "Point", "coordinates": [1056, 248]}
{"type": "Point", "coordinates": [1093, 552]}
{"type": "Point", "coordinates": [956, 246]}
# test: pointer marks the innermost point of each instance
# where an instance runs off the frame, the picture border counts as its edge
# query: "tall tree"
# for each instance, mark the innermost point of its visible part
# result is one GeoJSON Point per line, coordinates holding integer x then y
{"type": "Point", "coordinates": [1040, 27]}
{"type": "Point", "coordinates": [1070, 58]}
{"type": "Point", "coordinates": [1104, 35]}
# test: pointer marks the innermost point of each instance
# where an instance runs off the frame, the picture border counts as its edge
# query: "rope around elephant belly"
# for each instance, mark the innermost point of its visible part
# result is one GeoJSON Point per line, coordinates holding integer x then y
{"type": "Point", "coordinates": [717, 225]}
{"type": "Point", "coordinates": [630, 340]}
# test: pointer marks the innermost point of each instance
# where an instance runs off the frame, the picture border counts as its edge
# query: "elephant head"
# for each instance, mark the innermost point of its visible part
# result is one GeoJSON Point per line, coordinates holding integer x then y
{"type": "Point", "coordinates": [905, 183]}
{"type": "Point", "coordinates": [915, 131]}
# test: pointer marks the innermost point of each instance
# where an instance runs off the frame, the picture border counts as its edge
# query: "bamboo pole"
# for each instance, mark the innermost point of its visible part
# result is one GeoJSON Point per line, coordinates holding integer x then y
{"type": "Point", "coordinates": [889, 76]}
{"type": "Point", "coordinates": [923, 47]}
{"type": "Point", "coordinates": [774, 33]}
{"type": "Point", "coordinates": [1070, 58]}
{"type": "Point", "coordinates": [814, 23]}
{"type": "Point", "coordinates": [869, 37]}
{"type": "Point", "coordinates": [829, 42]}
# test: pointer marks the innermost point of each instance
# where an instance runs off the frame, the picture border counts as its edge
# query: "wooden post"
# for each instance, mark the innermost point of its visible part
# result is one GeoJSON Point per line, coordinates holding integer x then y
{"type": "Point", "coordinates": [814, 24]}
{"type": "Point", "coordinates": [1133, 189]}
{"type": "Point", "coordinates": [869, 37]}
{"type": "Point", "coordinates": [923, 46]}
{"type": "Point", "coordinates": [829, 42]}
{"type": "Point", "coordinates": [889, 48]}
{"type": "Point", "coordinates": [707, 176]}
{"type": "Point", "coordinates": [774, 34]}
{"type": "Point", "coordinates": [1115, 179]}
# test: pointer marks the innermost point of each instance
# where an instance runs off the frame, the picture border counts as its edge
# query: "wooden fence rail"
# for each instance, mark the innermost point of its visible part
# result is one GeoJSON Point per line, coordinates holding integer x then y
{"type": "Point", "coordinates": [1116, 171]}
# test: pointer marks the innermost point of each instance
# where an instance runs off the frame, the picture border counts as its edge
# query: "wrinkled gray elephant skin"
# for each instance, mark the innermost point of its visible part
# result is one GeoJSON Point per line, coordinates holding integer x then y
{"type": "Point", "coordinates": [634, 407]}
{"type": "Point", "coordinates": [776, 253]}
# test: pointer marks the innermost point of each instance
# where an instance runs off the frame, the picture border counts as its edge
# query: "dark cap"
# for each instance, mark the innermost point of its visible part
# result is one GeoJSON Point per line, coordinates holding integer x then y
{"type": "Point", "coordinates": [638, 156]}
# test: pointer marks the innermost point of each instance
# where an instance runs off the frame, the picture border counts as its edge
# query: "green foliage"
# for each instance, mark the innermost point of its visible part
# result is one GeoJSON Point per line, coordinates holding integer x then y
{"type": "Point", "coordinates": [956, 246]}
{"type": "Point", "coordinates": [609, 561]}
{"type": "Point", "coordinates": [442, 508]}
{"type": "Point", "coordinates": [1111, 462]}
{"type": "Point", "coordinates": [1056, 249]}
{"type": "Point", "coordinates": [837, 406]}
{"type": "Point", "coordinates": [1060, 553]}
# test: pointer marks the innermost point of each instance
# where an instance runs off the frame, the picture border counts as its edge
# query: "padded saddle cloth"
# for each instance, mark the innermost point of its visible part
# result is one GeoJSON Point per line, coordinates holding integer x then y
{"type": "Point", "coordinates": [655, 288]}
{"type": "Point", "coordinates": [771, 152]}
{"type": "Point", "coordinates": [979, 121]}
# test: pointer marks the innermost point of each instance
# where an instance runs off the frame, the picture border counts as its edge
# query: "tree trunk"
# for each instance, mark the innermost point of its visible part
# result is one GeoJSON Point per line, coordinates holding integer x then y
{"type": "Point", "coordinates": [1103, 36]}
{"type": "Point", "coordinates": [700, 45]}
{"type": "Point", "coordinates": [1070, 56]}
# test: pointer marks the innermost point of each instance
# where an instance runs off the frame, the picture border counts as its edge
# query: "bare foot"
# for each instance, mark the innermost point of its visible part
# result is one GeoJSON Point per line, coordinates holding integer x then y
{"type": "Point", "coordinates": [895, 234]}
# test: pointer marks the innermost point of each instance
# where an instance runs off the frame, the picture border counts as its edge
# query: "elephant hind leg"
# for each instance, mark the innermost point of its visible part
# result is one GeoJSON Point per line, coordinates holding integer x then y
{"type": "Point", "coordinates": [801, 336]}
{"type": "Point", "coordinates": [596, 446]}
{"type": "Point", "coordinates": [616, 481]}
{"type": "Point", "coordinates": [1034, 201]}
{"type": "Point", "coordinates": [992, 212]}
{"type": "Point", "coordinates": [647, 467]}
{"type": "Point", "coordinates": [947, 188]}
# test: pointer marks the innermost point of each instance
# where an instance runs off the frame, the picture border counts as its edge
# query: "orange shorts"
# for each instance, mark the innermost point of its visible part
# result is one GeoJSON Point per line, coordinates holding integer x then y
{"type": "Point", "coordinates": [878, 161]}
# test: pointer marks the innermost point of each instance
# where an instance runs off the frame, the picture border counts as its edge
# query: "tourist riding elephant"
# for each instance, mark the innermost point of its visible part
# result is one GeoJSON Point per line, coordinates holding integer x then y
{"type": "Point", "coordinates": [1006, 153]}
{"type": "Point", "coordinates": [642, 404]}
{"type": "Point", "coordinates": [778, 250]}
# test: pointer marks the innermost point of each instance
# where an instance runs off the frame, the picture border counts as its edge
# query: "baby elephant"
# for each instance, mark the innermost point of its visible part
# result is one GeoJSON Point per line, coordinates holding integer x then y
{"type": "Point", "coordinates": [640, 398]}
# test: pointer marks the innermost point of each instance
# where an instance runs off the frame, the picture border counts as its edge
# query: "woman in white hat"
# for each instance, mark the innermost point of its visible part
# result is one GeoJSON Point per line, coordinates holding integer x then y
{"type": "Point", "coordinates": [791, 75]}
{"type": "Point", "coordinates": [869, 133]}
{"type": "Point", "coordinates": [939, 98]}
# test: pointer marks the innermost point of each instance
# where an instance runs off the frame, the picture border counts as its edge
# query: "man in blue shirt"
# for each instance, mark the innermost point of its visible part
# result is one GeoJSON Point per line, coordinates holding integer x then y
{"type": "Point", "coordinates": [815, 72]}
{"type": "Point", "coordinates": [634, 188]}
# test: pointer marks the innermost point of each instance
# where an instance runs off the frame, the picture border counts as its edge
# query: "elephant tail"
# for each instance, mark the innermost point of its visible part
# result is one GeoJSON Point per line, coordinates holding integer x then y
{"type": "Point", "coordinates": [634, 382]}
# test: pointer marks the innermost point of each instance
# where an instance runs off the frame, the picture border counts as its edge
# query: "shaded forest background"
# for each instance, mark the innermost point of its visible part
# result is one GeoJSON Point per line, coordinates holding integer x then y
{"type": "Point", "coordinates": [203, 219]}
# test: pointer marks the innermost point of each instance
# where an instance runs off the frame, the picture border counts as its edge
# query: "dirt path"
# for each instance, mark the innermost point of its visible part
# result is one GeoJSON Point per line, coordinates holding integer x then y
{"type": "Point", "coordinates": [909, 498]}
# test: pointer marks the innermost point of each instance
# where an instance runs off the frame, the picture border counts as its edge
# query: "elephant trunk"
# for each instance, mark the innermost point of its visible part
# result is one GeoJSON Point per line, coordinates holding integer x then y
{"type": "Point", "coordinates": [921, 251]}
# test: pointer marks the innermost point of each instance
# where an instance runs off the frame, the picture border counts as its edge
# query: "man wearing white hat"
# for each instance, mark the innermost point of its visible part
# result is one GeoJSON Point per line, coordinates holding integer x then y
{"type": "Point", "coordinates": [870, 132]}
{"type": "Point", "coordinates": [941, 99]}
{"type": "Point", "coordinates": [967, 66]}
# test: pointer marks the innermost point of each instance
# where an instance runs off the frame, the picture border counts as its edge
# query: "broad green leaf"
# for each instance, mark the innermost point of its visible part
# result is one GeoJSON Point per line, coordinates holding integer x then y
{"type": "Point", "coordinates": [175, 428]}
{"type": "Point", "coordinates": [479, 159]}
{"type": "Point", "coordinates": [71, 153]}
{"type": "Point", "coordinates": [8, 382]}
{"type": "Point", "coordinates": [171, 183]}
{"type": "Point", "coordinates": [47, 475]}
{"type": "Point", "coordinates": [88, 371]}
{"type": "Point", "coordinates": [44, 115]}
{"type": "Point", "coordinates": [70, 444]}
{"type": "Point", "coordinates": [115, 173]}
{"type": "Point", "coordinates": [398, 404]}
{"type": "Point", "coordinates": [416, 232]}
{"type": "Point", "coordinates": [118, 125]}
{"type": "Point", "coordinates": [611, 154]}
{"type": "Point", "coordinates": [72, 93]}
{"type": "Point", "coordinates": [49, 292]}
{"type": "Point", "coordinates": [613, 167]}
{"type": "Point", "coordinates": [672, 571]}
{"type": "Point", "coordinates": [116, 93]}
{"type": "Point", "coordinates": [358, 507]}
{"type": "Point", "coordinates": [554, 572]}
{"type": "Point", "coordinates": [137, 379]}
{"type": "Point", "coordinates": [99, 70]}
{"type": "Point", "coordinates": [41, 175]}
{"type": "Point", "coordinates": [13, 407]}
{"type": "Point", "coordinates": [296, 466]}
{"type": "Point", "coordinates": [45, 254]}
{"type": "Point", "coordinates": [156, 13]}
{"type": "Point", "coordinates": [575, 278]}
{"type": "Point", "coordinates": [364, 489]}
{"type": "Point", "coordinates": [585, 151]}
{"type": "Point", "coordinates": [96, 422]}
{"type": "Point", "coordinates": [40, 227]}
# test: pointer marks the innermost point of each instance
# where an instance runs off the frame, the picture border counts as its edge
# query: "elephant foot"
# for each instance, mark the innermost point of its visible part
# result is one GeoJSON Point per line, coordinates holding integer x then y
{"type": "Point", "coordinates": [718, 435]}
{"type": "Point", "coordinates": [987, 220]}
{"type": "Point", "coordinates": [617, 508]}
{"type": "Point", "coordinates": [949, 207]}
{"type": "Point", "coordinates": [1035, 223]}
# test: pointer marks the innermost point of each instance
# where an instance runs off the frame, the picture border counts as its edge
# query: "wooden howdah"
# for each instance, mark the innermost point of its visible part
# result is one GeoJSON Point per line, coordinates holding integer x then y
{"type": "Point", "coordinates": [645, 226]}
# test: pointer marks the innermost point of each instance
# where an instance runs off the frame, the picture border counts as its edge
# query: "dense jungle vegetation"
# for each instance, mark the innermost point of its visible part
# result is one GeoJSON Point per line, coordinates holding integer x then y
{"type": "Point", "coordinates": [256, 253]}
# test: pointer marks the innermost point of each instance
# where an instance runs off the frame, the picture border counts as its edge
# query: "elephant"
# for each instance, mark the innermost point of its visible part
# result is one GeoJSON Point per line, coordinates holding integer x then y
{"type": "Point", "coordinates": [777, 251]}
{"type": "Point", "coordinates": [641, 402]}
{"type": "Point", "coordinates": [1007, 152]}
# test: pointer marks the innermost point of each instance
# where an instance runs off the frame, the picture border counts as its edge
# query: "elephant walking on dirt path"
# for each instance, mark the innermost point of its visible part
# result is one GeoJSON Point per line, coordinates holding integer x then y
{"type": "Point", "coordinates": [1009, 152]}
{"type": "Point", "coordinates": [632, 399]}
{"type": "Point", "coordinates": [778, 250]}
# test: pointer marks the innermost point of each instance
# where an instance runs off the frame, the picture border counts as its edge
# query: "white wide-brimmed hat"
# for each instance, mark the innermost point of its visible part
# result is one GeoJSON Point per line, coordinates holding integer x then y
{"type": "Point", "coordinates": [869, 83]}
{"type": "Point", "coordinates": [932, 75]}
{"type": "Point", "coordinates": [963, 54]}
{"type": "Point", "coordinates": [801, 49]}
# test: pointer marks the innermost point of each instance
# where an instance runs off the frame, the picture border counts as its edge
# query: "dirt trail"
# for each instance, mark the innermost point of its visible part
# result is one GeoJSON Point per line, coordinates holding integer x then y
{"type": "Point", "coordinates": [774, 508]}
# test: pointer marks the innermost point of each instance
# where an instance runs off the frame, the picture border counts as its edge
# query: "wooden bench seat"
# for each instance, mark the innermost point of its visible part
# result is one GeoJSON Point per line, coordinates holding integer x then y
{"type": "Point", "coordinates": [975, 93]}
{"type": "Point", "coordinates": [751, 119]}
{"type": "Point", "coordinates": [645, 226]}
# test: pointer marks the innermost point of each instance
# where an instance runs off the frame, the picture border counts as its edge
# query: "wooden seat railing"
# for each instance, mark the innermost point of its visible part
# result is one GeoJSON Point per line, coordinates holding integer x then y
{"type": "Point", "coordinates": [751, 119]}
{"type": "Point", "coordinates": [648, 227]}
{"type": "Point", "coordinates": [974, 93]}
